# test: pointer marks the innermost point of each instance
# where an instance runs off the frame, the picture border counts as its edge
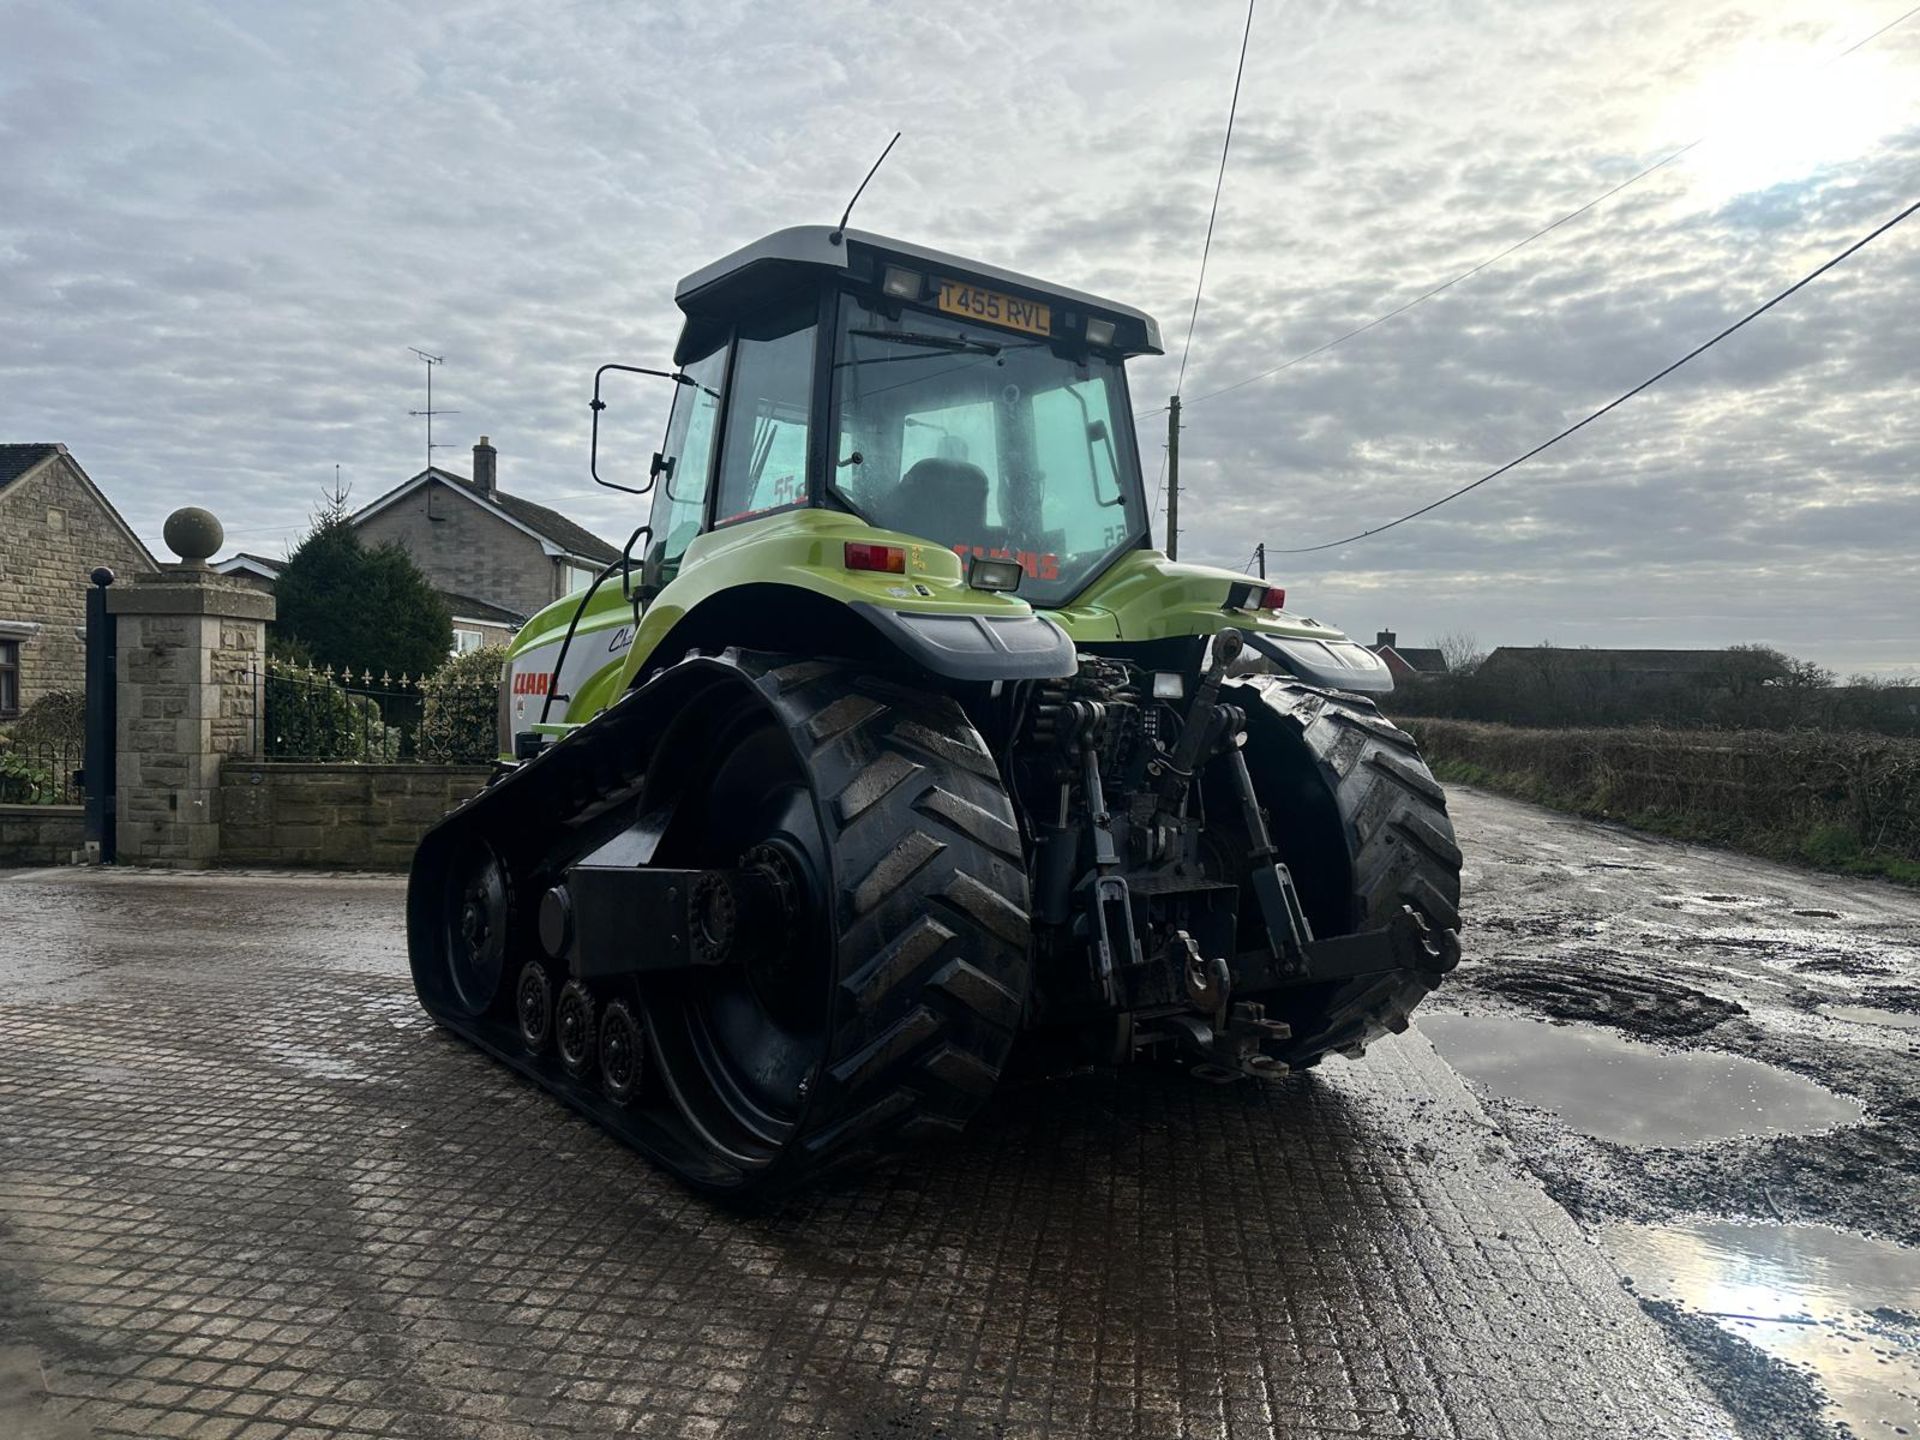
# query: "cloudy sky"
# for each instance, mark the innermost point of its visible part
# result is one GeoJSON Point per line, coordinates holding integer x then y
{"type": "Point", "coordinates": [222, 225]}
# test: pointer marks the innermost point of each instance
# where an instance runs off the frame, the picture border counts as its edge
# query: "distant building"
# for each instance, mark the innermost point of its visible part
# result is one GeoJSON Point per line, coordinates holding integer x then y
{"type": "Point", "coordinates": [57, 527]}
{"type": "Point", "coordinates": [251, 567]}
{"type": "Point", "coordinates": [1617, 667]}
{"type": "Point", "coordinates": [1407, 662]}
{"type": "Point", "coordinates": [473, 539]}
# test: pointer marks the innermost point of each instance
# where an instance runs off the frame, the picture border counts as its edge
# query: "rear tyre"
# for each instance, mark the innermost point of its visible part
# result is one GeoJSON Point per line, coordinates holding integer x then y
{"type": "Point", "coordinates": [886, 1010]}
{"type": "Point", "coordinates": [1363, 827]}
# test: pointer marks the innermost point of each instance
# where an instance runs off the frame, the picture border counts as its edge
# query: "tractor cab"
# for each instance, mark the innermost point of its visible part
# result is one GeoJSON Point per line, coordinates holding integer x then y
{"type": "Point", "coordinates": [921, 393]}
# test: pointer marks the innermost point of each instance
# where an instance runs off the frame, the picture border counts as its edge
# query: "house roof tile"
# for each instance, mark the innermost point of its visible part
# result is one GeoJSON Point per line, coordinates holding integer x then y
{"type": "Point", "coordinates": [466, 607]}
{"type": "Point", "coordinates": [16, 460]}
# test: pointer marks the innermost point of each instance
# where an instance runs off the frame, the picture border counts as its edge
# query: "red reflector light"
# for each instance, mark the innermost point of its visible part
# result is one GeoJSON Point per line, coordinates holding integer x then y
{"type": "Point", "coordinates": [887, 559]}
{"type": "Point", "coordinates": [1275, 598]}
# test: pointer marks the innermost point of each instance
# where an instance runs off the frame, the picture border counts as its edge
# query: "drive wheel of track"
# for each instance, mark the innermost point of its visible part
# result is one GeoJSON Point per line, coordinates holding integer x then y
{"type": "Point", "coordinates": [1362, 825]}
{"type": "Point", "coordinates": [885, 1008]}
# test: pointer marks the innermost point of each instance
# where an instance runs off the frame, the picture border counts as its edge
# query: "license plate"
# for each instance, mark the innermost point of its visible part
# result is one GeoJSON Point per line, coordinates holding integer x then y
{"type": "Point", "coordinates": [1032, 316]}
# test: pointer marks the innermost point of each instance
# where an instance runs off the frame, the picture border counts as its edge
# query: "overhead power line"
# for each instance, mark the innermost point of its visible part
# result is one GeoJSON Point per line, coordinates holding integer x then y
{"type": "Point", "coordinates": [1493, 259]}
{"type": "Point", "coordinates": [1618, 400]}
{"type": "Point", "coordinates": [1219, 180]}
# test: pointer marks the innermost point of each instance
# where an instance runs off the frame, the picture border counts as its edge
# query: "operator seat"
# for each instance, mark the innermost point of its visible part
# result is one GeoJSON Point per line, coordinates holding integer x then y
{"type": "Point", "coordinates": [945, 500]}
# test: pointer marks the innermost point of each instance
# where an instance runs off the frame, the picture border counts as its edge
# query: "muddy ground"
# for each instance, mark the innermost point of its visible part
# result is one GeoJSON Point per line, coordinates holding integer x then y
{"type": "Point", "coordinates": [1694, 949]}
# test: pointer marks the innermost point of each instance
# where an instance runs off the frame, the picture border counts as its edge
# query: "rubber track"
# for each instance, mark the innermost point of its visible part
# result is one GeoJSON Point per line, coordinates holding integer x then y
{"type": "Point", "coordinates": [1399, 841]}
{"type": "Point", "coordinates": [931, 954]}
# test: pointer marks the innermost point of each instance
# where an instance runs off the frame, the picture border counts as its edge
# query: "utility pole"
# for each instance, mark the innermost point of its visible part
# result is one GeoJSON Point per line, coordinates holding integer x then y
{"type": "Point", "coordinates": [1173, 478]}
{"type": "Point", "coordinates": [1260, 558]}
{"type": "Point", "coordinates": [430, 412]}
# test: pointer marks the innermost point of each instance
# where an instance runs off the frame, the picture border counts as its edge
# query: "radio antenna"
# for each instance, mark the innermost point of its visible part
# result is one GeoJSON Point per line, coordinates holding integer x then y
{"type": "Point", "coordinates": [840, 230]}
{"type": "Point", "coordinates": [430, 412]}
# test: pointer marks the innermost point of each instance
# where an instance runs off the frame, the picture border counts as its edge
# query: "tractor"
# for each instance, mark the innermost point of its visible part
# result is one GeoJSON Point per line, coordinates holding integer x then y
{"type": "Point", "coordinates": [891, 758]}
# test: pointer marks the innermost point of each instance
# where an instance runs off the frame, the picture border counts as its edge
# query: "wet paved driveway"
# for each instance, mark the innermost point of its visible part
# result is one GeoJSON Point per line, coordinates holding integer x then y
{"type": "Point", "coordinates": [246, 1189]}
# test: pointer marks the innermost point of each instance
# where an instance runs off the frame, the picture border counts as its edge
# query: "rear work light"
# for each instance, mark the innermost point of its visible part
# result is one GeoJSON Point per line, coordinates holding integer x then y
{"type": "Point", "coordinates": [984, 573]}
{"type": "Point", "coordinates": [886, 559]}
{"type": "Point", "coordinates": [900, 284]}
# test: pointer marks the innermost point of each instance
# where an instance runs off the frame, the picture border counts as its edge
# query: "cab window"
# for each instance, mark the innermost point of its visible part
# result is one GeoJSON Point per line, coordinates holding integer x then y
{"type": "Point", "coordinates": [680, 495]}
{"type": "Point", "coordinates": [763, 464]}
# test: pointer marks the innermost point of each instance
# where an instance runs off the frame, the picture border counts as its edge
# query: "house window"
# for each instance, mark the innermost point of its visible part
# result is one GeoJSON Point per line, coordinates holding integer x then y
{"type": "Point", "coordinates": [9, 679]}
{"type": "Point", "coordinates": [465, 640]}
{"type": "Point", "coordinates": [578, 577]}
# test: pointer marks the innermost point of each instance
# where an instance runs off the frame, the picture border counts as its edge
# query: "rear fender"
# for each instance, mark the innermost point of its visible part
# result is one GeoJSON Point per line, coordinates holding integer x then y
{"type": "Point", "coordinates": [782, 583]}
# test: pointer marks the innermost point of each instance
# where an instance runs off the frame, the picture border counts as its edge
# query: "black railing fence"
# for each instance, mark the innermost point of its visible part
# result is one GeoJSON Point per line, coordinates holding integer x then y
{"type": "Point", "coordinates": [305, 713]}
{"type": "Point", "coordinates": [39, 772]}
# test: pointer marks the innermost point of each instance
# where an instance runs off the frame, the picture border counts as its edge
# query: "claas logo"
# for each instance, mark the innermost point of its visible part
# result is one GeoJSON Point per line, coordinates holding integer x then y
{"type": "Point", "coordinates": [530, 682]}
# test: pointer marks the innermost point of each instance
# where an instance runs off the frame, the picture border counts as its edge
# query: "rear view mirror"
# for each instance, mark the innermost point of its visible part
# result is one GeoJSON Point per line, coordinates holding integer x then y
{"type": "Point", "coordinates": [622, 435]}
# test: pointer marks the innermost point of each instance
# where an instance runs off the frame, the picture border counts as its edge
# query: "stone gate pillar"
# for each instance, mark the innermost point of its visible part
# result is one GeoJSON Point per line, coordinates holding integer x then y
{"type": "Point", "coordinates": [192, 643]}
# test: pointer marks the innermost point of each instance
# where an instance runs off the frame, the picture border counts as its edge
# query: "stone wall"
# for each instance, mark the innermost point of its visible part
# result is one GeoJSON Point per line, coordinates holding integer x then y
{"type": "Point", "coordinates": [41, 834]}
{"type": "Point", "coordinates": [463, 548]}
{"type": "Point", "coordinates": [56, 529]}
{"type": "Point", "coordinates": [358, 816]}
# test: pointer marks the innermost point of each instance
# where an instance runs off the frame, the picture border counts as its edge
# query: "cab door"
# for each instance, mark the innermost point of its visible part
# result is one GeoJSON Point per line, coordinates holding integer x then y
{"type": "Point", "coordinates": [680, 492]}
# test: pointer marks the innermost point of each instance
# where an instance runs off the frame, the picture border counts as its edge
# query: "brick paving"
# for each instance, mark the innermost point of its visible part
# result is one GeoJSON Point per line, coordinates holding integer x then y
{"type": "Point", "coordinates": [247, 1190]}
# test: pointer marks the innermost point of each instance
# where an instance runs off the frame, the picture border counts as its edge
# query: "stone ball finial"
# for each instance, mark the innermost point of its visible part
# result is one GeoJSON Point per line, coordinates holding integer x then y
{"type": "Point", "coordinates": [193, 534]}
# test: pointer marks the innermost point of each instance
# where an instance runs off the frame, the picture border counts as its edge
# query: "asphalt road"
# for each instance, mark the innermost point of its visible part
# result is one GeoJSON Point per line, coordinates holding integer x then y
{"type": "Point", "coordinates": [246, 1189]}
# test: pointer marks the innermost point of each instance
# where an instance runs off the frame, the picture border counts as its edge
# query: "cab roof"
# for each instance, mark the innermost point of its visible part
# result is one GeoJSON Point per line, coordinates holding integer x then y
{"type": "Point", "coordinates": [774, 263]}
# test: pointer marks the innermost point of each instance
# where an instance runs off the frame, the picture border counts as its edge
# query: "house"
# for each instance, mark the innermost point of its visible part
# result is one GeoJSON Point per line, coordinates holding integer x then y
{"type": "Point", "coordinates": [259, 568]}
{"type": "Point", "coordinates": [472, 539]}
{"type": "Point", "coordinates": [476, 623]}
{"type": "Point", "coordinates": [57, 528]}
{"type": "Point", "coordinates": [1407, 661]}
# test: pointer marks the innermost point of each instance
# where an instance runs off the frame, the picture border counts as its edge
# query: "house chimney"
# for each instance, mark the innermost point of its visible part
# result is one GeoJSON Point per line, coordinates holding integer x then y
{"type": "Point", "coordinates": [1380, 641]}
{"type": "Point", "coordinates": [485, 476]}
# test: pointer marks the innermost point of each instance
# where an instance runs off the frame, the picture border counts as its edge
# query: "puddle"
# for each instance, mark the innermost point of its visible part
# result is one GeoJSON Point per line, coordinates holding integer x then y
{"type": "Point", "coordinates": [316, 1064]}
{"type": "Point", "coordinates": [1615, 1089]}
{"type": "Point", "coordinates": [1803, 1293]}
{"type": "Point", "coordinates": [1867, 1015]}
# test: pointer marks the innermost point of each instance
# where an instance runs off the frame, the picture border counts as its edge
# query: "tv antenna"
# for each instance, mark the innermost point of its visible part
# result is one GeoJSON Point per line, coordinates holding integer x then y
{"type": "Point", "coordinates": [430, 412]}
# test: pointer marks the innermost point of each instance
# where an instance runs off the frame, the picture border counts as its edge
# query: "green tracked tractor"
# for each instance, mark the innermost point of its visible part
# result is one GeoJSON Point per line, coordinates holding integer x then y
{"type": "Point", "coordinates": [892, 754]}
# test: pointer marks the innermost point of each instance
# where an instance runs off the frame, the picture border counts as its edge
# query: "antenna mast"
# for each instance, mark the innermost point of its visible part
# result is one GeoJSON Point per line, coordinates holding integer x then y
{"type": "Point", "coordinates": [840, 230]}
{"type": "Point", "coordinates": [430, 412]}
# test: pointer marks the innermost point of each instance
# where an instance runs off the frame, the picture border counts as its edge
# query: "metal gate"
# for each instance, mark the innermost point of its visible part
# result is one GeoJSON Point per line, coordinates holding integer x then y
{"type": "Point", "coordinates": [99, 774]}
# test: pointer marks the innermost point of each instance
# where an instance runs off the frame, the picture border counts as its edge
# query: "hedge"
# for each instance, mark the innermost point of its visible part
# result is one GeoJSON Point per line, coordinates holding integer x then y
{"type": "Point", "coordinates": [1844, 799]}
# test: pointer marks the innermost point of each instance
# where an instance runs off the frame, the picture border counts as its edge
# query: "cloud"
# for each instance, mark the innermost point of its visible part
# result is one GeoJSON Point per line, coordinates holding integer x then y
{"type": "Point", "coordinates": [225, 224]}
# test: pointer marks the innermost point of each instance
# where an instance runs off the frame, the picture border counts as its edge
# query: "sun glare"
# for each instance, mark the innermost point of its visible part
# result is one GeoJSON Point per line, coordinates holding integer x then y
{"type": "Point", "coordinates": [1770, 121]}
